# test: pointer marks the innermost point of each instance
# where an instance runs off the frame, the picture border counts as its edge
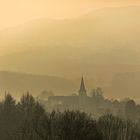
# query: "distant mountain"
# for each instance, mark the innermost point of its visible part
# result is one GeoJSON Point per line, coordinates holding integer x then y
{"type": "Point", "coordinates": [104, 28]}
{"type": "Point", "coordinates": [99, 45]}
{"type": "Point", "coordinates": [125, 85]}
{"type": "Point", "coordinates": [19, 83]}
{"type": "Point", "coordinates": [99, 66]}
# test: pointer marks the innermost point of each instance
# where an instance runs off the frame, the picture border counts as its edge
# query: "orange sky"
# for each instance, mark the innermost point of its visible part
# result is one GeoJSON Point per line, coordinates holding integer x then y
{"type": "Point", "coordinates": [14, 12]}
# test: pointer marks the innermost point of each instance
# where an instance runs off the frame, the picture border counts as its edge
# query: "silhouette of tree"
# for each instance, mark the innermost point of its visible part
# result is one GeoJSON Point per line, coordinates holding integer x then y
{"type": "Point", "coordinates": [114, 128]}
{"type": "Point", "coordinates": [111, 127]}
{"type": "Point", "coordinates": [27, 120]}
{"type": "Point", "coordinates": [77, 126]}
{"type": "Point", "coordinates": [8, 117]}
{"type": "Point", "coordinates": [130, 110]}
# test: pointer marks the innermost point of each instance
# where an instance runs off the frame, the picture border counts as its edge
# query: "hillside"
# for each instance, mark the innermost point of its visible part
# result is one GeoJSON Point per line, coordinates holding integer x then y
{"type": "Point", "coordinates": [19, 83]}
{"type": "Point", "coordinates": [104, 28]}
{"type": "Point", "coordinates": [100, 45]}
{"type": "Point", "coordinates": [99, 66]}
{"type": "Point", "coordinates": [125, 85]}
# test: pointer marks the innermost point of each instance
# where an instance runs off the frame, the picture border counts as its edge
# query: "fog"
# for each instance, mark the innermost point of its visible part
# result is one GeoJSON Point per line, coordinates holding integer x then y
{"type": "Point", "coordinates": [15, 12]}
{"type": "Point", "coordinates": [102, 42]}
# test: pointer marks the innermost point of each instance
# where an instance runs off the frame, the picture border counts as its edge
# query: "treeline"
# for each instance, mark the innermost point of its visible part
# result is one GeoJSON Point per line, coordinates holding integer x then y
{"type": "Point", "coordinates": [126, 108]}
{"type": "Point", "coordinates": [27, 120]}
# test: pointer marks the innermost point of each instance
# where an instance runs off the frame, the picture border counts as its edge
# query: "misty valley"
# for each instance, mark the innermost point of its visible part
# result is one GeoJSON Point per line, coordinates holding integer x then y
{"type": "Point", "coordinates": [75, 117]}
{"type": "Point", "coordinates": [69, 69]}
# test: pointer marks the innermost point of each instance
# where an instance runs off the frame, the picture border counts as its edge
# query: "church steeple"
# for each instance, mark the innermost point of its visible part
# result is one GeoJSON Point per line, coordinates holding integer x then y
{"type": "Point", "coordinates": [82, 90]}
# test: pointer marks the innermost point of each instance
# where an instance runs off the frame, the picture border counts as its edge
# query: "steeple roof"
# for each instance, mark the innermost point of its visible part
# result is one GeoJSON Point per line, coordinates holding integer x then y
{"type": "Point", "coordinates": [82, 89]}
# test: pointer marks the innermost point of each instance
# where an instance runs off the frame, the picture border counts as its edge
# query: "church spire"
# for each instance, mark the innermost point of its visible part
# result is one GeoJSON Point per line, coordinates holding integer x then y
{"type": "Point", "coordinates": [82, 90]}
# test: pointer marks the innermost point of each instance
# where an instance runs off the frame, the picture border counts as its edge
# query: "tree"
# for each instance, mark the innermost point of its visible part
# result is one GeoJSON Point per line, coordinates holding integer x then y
{"type": "Point", "coordinates": [130, 110]}
{"type": "Point", "coordinates": [8, 117]}
{"type": "Point", "coordinates": [31, 113]}
{"type": "Point", "coordinates": [111, 127]}
{"type": "Point", "coordinates": [77, 126]}
{"type": "Point", "coordinates": [114, 128]}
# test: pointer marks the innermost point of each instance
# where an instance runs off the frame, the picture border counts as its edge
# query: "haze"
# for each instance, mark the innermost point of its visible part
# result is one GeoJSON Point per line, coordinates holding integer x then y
{"type": "Point", "coordinates": [14, 12]}
{"type": "Point", "coordinates": [67, 38]}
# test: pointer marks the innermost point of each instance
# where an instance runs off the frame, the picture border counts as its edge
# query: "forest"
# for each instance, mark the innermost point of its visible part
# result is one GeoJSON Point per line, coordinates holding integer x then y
{"type": "Point", "coordinates": [26, 119]}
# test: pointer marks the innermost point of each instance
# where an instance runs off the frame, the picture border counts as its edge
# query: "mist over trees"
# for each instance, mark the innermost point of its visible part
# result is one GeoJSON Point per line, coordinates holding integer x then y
{"type": "Point", "coordinates": [27, 120]}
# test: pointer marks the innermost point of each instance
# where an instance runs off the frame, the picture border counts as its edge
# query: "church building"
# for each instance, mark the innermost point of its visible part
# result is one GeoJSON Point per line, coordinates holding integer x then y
{"type": "Point", "coordinates": [73, 102]}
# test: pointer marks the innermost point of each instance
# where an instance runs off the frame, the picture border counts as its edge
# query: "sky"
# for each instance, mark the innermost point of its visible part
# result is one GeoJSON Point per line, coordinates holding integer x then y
{"type": "Point", "coordinates": [15, 12]}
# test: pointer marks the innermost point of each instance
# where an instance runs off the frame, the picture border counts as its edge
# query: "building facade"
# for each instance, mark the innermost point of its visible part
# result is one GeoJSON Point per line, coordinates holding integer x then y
{"type": "Point", "coordinates": [74, 102]}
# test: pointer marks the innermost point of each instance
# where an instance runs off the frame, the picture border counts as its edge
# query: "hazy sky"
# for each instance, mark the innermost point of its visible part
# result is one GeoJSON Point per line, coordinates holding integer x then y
{"type": "Point", "coordinates": [14, 12]}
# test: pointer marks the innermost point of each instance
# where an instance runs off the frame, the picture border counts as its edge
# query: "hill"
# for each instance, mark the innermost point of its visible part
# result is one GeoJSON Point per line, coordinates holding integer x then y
{"type": "Point", "coordinates": [100, 44]}
{"type": "Point", "coordinates": [125, 85]}
{"type": "Point", "coordinates": [99, 66]}
{"type": "Point", "coordinates": [104, 28]}
{"type": "Point", "coordinates": [19, 83]}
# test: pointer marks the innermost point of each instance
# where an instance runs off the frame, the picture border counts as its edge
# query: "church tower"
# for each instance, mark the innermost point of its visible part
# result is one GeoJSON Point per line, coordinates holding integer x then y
{"type": "Point", "coordinates": [82, 96]}
{"type": "Point", "coordinates": [82, 90]}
